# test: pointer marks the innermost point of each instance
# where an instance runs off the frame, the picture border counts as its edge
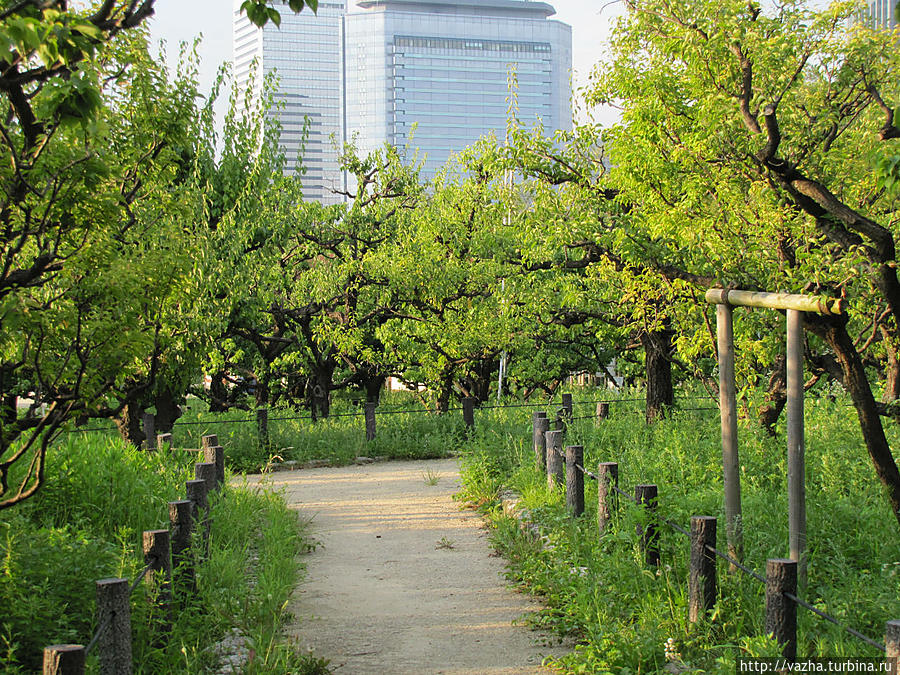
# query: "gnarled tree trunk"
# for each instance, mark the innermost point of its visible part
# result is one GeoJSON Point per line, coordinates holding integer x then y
{"type": "Point", "coordinates": [658, 370]}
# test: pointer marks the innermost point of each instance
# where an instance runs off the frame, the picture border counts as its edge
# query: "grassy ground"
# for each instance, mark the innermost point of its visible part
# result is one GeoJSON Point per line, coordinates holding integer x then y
{"type": "Point", "coordinates": [86, 524]}
{"type": "Point", "coordinates": [623, 614]}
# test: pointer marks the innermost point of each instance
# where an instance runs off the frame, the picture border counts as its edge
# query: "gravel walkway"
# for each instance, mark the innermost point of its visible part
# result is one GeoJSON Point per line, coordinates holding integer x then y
{"type": "Point", "coordinates": [404, 582]}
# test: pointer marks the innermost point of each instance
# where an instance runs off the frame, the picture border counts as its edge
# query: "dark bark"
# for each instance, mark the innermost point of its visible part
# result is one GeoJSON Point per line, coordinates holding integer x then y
{"type": "Point", "coordinates": [168, 410]}
{"type": "Point", "coordinates": [218, 393]}
{"type": "Point", "coordinates": [776, 396]}
{"type": "Point", "coordinates": [374, 386]}
{"type": "Point", "coordinates": [130, 423]}
{"type": "Point", "coordinates": [834, 331]}
{"type": "Point", "coordinates": [658, 371]}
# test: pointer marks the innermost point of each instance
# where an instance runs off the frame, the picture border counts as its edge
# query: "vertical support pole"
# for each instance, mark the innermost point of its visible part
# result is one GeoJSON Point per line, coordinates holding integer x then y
{"type": "Point", "coordinates": [148, 421]}
{"type": "Point", "coordinates": [209, 441]}
{"type": "Point", "coordinates": [64, 660]}
{"type": "Point", "coordinates": [156, 555]}
{"type": "Point", "coordinates": [206, 471]}
{"type": "Point", "coordinates": [796, 445]}
{"type": "Point", "coordinates": [539, 426]}
{"type": "Point", "coordinates": [728, 412]}
{"type": "Point", "coordinates": [781, 612]}
{"type": "Point", "coordinates": [702, 575]}
{"type": "Point", "coordinates": [646, 496]}
{"type": "Point", "coordinates": [370, 421]}
{"type": "Point", "coordinates": [574, 479]}
{"type": "Point", "coordinates": [568, 407]}
{"type": "Point", "coordinates": [555, 467]}
{"type": "Point", "coordinates": [469, 413]}
{"type": "Point", "coordinates": [262, 426]}
{"type": "Point", "coordinates": [181, 523]}
{"type": "Point", "coordinates": [215, 454]}
{"type": "Point", "coordinates": [114, 612]}
{"type": "Point", "coordinates": [892, 646]}
{"type": "Point", "coordinates": [607, 498]}
{"type": "Point", "coordinates": [602, 411]}
{"type": "Point", "coordinates": [163, 440]}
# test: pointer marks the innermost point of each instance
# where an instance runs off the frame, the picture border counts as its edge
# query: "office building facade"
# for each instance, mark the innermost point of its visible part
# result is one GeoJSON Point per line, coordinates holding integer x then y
{"type": "Point", "coordinates": [882, 13]}
{"type": "Point", "coordinates": [432, 76]}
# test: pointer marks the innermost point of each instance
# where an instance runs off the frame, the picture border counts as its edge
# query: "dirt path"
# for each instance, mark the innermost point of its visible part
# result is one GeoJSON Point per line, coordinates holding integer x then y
{"type": "Point", "coordinates": [404, 581]}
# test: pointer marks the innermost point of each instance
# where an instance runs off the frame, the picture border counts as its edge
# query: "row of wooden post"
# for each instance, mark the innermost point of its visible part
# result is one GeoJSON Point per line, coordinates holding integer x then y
{"type": "Point", "coordinates": [170, 562]}
{"type": "Point", "coordinates": [561, 467]}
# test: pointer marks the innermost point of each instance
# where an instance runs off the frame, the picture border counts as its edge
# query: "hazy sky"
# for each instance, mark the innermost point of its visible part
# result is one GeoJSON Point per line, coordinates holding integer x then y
{"type": "Point", "coordinates": [180, 20]}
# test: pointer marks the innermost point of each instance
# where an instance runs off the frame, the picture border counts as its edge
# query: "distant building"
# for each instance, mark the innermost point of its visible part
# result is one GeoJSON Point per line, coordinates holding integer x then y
{"type": "Point", "coordinates": [882, 14]}
{"type": "Point", "coordinates": [436, 73]}
{"type": "Point", "coordinates": [433, 74]}
{"type": "Point", "coordinates": [306, 53]}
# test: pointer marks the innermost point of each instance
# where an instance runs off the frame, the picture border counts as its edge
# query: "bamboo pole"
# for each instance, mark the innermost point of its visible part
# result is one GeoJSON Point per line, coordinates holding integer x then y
{"type": "Point", "coordinates": [796, 446]}
{"type": "Point", "coordinates": [728, 412]}
{"type": "Point", "coordinates": [802, 303]}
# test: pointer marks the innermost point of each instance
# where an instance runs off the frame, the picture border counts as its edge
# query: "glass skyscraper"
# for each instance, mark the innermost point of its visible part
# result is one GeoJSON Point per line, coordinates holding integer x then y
{"type": "Point", "coordinates": [433, 75]}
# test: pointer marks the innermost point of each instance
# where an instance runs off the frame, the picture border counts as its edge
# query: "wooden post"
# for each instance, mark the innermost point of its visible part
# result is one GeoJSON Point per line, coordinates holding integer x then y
{"type": "Point", "coordinates": [181, 522]}
{"type": "Point", "coordinates": [574, 480]}
{"type": "Point", "coordinates": [602, 411]}
{"type": "Point", "coordinates": [156, 554]}
{"type": "Point", "coordinates": [539, 426]}
{"type": "Point", "coordinates": [469, 413]}
{"type": "Point", "coordinates": [646, 496]}
{"type": "Point", "coordinates": [702, 575]}
{"type": "Point", "coordinates": [781, 612]}
{"type": "Point", "coordinates": [796, 445]}
{"type": "Point", "coordinates": [196, 493]}
{"type": "Point", "coordinates": [148, 421]}
{"type": "Point", "coordinates": [892, 646]}
{"type": "Point", "coordinates": [607, 498]}
{"type": "Point", "coordinates": [206, 471]}
{"type": "Point", "coordinates": [370, 421]}
{"type": "Point", "coordinates": [64, 660]}
{"type": "Point", "coordinates": [555, 466]}
{"type": "Point", "coordinates": [568, 407]}
{"type": "Point", "coordinates": [162, 440]}
{"type": "Point", "coordinates": [262, 426]}
{"type": "Point", "coordinates": [114, 617]}
{"type": "Point", "coordinates": [209, 441]}
{"type": "Point", "coordinates": [215, 454]}
{"type": "Point", "coordinates": [728, 412]}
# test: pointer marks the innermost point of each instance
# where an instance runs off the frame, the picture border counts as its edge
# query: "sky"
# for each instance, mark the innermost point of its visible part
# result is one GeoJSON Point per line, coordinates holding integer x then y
{"type": "Point", "coordinates": [182, 20]}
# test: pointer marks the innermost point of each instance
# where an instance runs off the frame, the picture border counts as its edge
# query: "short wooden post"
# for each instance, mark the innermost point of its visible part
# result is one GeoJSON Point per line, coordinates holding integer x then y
{"type": "Point", "coordinates": [114, 622]}
{"type": "Point", "coordinates": [64, 660]}
{"type": "Point", "coordinates": [646, 496]}
{"type": "Point", "coordinates": [156, 548]}
{"type": "Point", "coordinates": [602, 411]}
{"type": "Point", "coordinates": [567, 406]}
{"type": "Point", "coordinates": [262, 426]}
{"type": "Point", "coordinates": [206, 471]}
{"type": "Point", "coordinates": [181, 523]}
{"type": "Point", "coordinates": [148, 421]}
{"type": "Point", "coordinates": [574, 479]}
{"type": "Point", "coordinates": [196, 493]}
{"type": "Point", "coordinates": [892, 646]}
{"type": "Point", "coordinates": [163, 440]}
{"type": "Point", "coordinates": [215, 454]}
{"type": "Point", "coordinates": [555, 466]}
{"type": "Point", "coordinates": [539, 426]}
{"type": "Point", "coordinates": [370, 421]}
{"type": "Point", "coordinates": [607, 498]}
{"type": "Point", "coordinates": [469, 413]}
{"type": "Point", "coordinates": [702, 575]}
{"type": "Point", "coordinates": [781, 612]}
{"type": "Point", "coordinates": [209, 441]}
